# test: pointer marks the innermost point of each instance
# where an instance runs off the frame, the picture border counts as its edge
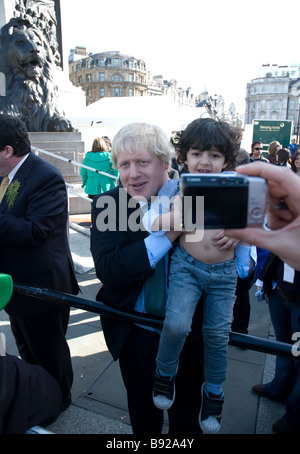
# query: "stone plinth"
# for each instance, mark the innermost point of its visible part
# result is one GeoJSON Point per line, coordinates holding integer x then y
{"type": "Point", "coordinates": [63, 144]}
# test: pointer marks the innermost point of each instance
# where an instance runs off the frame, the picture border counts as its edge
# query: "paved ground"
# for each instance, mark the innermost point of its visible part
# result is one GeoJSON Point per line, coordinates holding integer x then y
{"type": "Point", "coordinates": [99, 399]}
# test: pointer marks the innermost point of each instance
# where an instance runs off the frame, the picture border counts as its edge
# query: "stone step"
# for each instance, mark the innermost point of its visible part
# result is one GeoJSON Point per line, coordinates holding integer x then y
{"type": "Point", "coordinates": [79, 203]}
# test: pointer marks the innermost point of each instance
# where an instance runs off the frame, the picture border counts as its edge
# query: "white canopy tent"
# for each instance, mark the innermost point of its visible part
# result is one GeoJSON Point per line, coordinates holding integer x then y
{"type": "Point", "coordinates": [106, 116]}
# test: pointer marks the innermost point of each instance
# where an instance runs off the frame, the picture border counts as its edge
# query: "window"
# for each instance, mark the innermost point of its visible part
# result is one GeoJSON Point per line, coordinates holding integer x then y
{"type": "Point", "coordinates": [263, 103]}
{"type": "Point", "coordinates": [117, 62]}
{"type": "Point", "coordinates": [88, 78]}
{"type": "Point", "coordinates": [274, 116]}
{"type": "Point", "coordinates": [292, 104]}
{"type": "Point", "coordinates": [101, 76]}
{"type": "Point", "coordinates": [101, 92]}
{"type": "Point", "coordinates": [116, 78]}
{"type": "Point", "coordinates": [131, 77]}
{"type": "Point", "coordinates": [88, 92]}
{"type": "Point", "coordinates": [131, 92]}
{"type": "Point", "coordinates": [101, 64]}
{"type": "Point", "coordinates": [117, 91]}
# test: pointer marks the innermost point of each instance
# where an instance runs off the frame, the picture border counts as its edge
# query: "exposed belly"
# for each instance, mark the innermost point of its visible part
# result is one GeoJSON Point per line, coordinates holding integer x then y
{"type": "Point", "coordinates": [203, 249]}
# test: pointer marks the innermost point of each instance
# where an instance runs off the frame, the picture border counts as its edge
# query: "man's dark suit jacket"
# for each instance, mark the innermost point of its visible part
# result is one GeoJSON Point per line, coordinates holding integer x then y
{"type": "Point", "coordinates": [29, 396]}
{"type": "Point", "coordinates": [34, 247]}
{"type": "Point", "coordinates": [122, 265]}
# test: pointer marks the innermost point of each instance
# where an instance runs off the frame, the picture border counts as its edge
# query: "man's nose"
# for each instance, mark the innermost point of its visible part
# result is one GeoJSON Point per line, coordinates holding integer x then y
{"type": "Point", "coordinates": [133, 171]}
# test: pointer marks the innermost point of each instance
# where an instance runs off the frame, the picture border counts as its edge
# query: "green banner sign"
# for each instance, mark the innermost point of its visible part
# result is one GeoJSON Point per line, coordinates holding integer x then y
{"type": "Point", "coordinates": [266, 131]}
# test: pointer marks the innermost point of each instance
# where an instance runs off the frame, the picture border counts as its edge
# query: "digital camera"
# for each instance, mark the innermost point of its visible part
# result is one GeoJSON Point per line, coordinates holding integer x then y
{"type": "Point", "coordinates": [223, 200]}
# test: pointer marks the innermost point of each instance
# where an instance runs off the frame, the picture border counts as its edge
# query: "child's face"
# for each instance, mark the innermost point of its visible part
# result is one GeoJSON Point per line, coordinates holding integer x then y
{"type": "Point", "coordinates": [207, 161]}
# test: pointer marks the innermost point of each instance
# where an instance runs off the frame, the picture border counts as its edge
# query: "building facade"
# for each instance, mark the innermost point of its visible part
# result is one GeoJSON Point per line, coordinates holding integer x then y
{"type": "Point", "coordinates": [107, 74]}
{"type": "Point", "coordinates": [111, 74]}
{"type": "Point", "coordinates": [274, 95]}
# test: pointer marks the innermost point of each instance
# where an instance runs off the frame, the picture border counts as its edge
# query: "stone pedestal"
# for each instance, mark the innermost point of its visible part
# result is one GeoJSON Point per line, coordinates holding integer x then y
{"type": "Point", "coordinates": [63, 144]}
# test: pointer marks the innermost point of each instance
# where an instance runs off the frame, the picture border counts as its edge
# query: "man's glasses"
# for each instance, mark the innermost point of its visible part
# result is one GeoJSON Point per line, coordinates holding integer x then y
{"type": "Point", "coordinates": [258, 148]}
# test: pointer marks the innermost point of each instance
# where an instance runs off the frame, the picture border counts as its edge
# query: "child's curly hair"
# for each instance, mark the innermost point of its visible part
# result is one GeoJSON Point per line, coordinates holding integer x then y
{"type": "Point", "coordinates": [203, 134]}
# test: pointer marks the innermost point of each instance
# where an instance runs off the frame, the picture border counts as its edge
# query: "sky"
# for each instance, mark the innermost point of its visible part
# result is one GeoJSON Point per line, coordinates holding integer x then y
{"type": "Point", "coordinates": [217, 45]}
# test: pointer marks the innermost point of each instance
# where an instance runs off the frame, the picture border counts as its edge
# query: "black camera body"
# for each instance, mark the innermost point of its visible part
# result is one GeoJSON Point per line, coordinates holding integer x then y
{"type": "Point", "coordinates": [223, 200]}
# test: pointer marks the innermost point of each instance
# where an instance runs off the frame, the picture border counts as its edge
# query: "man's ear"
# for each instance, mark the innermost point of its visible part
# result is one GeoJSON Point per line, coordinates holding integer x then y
{"type": "Point", "coordinates": [9, 151]}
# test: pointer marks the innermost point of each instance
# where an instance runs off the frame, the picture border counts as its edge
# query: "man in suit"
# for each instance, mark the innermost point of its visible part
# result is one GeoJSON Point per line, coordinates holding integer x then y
{"type": "Point", "coordinates": [34, 250]}
{"type": "Point", "coordinates": [29, 395]}
{"type": "Point", "coordinates": [125, 256]}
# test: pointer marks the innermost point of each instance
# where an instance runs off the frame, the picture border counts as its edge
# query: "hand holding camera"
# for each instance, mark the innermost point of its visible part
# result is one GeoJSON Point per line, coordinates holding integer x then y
{"type": "Point", "coordinates": [283, 213]}
{"type": "Point", "coordinates": [225, 200]}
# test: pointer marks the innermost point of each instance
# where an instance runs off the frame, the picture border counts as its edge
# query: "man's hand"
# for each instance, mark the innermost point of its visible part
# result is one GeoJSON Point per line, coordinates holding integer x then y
{"type": "Point", "coordinates": [283, 213]}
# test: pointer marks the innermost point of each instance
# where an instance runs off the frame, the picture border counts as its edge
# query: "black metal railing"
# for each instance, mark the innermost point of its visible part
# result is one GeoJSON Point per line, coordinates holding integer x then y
{"type": "Point", "coordinates": [259, 344]}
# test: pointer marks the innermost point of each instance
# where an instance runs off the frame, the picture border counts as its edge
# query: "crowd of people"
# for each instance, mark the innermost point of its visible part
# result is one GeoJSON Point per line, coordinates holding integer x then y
{"type": "Point", "coordinates": [203, 286]}
{"type": "Point", "coordinates": [276, 154]}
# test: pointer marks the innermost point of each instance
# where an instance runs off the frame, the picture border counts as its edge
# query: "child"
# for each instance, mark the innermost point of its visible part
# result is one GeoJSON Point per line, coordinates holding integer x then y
{"type": "Point", "coordinates": [199, 269]}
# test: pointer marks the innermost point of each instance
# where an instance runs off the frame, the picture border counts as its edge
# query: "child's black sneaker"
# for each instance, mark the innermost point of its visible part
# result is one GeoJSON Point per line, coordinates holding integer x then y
{"type": "Point", "coordinates": [210, 417]}
{"type": "Point", "coordinates": [163, 391]}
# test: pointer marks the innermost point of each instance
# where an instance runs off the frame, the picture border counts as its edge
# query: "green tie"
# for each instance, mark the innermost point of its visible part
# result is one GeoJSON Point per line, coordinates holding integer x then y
{"type": "Point", "coordinates": [154, 286]}
{"type": "Point", "coordinates": [3, 187]}
{"type": "Point", "coordinates": [154, 291]}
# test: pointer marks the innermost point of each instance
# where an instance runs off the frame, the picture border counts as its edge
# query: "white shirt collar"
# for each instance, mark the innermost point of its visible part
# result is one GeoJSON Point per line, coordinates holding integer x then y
{"type": "Point", "coordinates": [16, 168]}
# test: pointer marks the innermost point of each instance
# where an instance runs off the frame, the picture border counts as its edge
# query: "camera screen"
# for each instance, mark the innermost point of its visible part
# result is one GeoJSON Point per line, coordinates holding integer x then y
{"type": "Point", "coordinates": [223, 203]}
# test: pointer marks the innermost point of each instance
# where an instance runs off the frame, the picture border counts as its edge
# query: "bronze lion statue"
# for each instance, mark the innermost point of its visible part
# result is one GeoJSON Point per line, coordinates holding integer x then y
{"type": "Point", "coordinates": [28, 64]}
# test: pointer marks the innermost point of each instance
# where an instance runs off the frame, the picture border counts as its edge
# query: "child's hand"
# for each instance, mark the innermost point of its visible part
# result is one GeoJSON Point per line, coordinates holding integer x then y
{"type": "Point", "coordinates": [170, 221]}
{"type": "Point", "coordinates": [223, 242]}
{"type": "Point", "coordinates": [176, 214]}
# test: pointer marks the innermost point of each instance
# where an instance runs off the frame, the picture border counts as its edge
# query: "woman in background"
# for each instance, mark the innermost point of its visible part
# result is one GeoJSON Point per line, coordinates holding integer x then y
{"type": "Point", "coordinates": [272, 152]}
{"type": "Point", "coordinates": [295, 162]}
{"type": "Point", "coordinates": [99, 158]}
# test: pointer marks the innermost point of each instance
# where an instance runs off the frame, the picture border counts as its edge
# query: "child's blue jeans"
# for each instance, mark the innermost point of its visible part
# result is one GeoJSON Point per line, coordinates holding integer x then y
{"type": "Point", "coordinates": [189, 280]}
